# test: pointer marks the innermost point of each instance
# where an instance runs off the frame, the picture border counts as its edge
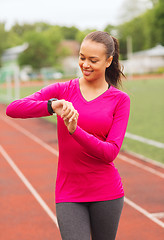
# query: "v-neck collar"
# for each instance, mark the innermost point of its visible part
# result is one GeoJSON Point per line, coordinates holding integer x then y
{"type": "Point", "coordinates": [95, 99]}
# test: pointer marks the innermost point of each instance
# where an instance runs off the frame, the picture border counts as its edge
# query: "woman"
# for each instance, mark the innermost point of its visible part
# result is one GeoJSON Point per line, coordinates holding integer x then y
{"type": "Point", "coordinates": [92, 119]}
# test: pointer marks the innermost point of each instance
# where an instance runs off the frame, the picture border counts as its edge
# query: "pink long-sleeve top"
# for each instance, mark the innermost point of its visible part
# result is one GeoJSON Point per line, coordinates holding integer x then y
{"type": "Point", "coordinates": [86, 171]}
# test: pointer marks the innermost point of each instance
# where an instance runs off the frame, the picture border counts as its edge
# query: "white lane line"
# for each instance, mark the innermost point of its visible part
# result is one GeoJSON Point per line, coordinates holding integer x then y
{"type": "Point", "coordinates": [142, 166]}
{"type": "Point", "coordinates": [28, 185]}
{"type": "Point", "coordinates": [144, 140]}
{"type": "Point", "coordinates": [55, 152]}
{"type": "Point", "coordinates": [158, 215]}
{"type": "Point", "coordinates": [145, 159]}
{"type": "Point", "coordinates": [144, 212]}
{"type": "Point", "coordinates": [33, 137]}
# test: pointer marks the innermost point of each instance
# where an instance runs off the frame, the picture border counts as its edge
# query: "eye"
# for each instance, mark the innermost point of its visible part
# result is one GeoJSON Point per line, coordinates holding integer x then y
{"type": "Point", "coordinates": [82, 58]}
{"type": "Point", "coordinates": [93, 61]}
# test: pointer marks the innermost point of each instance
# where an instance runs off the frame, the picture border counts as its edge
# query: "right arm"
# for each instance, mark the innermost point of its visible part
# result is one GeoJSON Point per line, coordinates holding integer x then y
{"type": "Point", "coordinates": [34, 105]}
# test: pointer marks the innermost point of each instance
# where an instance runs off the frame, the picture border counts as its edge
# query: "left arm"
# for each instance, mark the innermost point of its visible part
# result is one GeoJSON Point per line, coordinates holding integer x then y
{"type": "Point", "coordinates": [34, 105]}
{"type": "Point", "coordinates": [109, 149]}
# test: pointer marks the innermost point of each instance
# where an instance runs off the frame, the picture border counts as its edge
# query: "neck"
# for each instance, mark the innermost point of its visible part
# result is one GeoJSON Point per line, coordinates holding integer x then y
{"type": "Point", "coordinates": [97, 84]}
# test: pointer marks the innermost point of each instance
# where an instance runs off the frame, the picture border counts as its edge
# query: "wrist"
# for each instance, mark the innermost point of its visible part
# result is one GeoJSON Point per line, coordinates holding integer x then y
{"type": "Point", "coordinates": [49, 105]}
{"type": "Point", "coordinates": [72, 130]}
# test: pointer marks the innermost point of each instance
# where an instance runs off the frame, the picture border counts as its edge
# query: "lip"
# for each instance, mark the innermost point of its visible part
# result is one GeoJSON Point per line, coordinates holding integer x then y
{"type": "Point", "coordinates": [87, 72]}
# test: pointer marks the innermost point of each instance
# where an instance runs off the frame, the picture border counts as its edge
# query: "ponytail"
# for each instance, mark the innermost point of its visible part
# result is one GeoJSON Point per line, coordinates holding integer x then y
{"type": "Point", "coordinates": [114, 72]}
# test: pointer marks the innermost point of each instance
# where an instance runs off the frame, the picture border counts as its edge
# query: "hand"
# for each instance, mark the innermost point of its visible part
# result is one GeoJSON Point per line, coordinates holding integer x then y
{"type": "Point", "coordinates": [66, 110]}
{"type": "Point", "coordinates": [57, 106]}
{"type": "Point", "coordinates": [71, 123]}
{"type": "Point", "coordinates": [70, 116]}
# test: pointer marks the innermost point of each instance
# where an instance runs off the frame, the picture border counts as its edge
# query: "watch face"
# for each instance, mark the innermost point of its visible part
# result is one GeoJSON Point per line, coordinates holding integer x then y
{"type": "Point", "coordinates": [53, 99]}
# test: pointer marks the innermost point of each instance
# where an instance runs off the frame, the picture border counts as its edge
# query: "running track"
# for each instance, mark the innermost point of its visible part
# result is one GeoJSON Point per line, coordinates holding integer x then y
{"type": "Point", "coordinates": [28, 165]}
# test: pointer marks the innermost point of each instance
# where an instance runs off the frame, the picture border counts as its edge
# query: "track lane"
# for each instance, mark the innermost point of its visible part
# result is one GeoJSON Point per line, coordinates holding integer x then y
{"type": "Point", "coordinates": [127, 172]}
{"type": "Point", "coordinates": [142, 187]}
{"type": "Point", "coordinates": [21, 215]}
{"type": "Point", "coordinates": [39, 167]}
{"type": "Point", "coordinates": [135, 226]}
{"type": "Point", "coordinates": [28, 185]}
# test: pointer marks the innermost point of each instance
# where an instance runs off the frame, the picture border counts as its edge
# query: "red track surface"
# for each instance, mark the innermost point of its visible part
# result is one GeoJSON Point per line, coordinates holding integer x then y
{"type": "Point", "coordinates": [22, 217]}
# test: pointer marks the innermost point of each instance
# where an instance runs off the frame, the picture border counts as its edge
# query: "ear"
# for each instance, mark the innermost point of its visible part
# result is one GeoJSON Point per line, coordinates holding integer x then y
{"type": "Point", "coordinates": [109, 61]}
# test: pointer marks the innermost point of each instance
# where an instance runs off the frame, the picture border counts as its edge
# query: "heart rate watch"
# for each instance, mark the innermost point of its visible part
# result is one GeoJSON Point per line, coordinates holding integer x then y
{"type": "Point", "coordinates": [49, 106]}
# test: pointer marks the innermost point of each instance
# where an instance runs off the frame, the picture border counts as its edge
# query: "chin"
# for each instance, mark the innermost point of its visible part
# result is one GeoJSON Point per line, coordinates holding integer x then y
{"type": "Point", "coordinates": [89, 79]}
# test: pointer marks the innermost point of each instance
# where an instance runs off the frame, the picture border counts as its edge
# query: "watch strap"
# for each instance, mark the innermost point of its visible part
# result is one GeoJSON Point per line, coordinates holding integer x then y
{"type": "Point", "coordinates": [49, 106]}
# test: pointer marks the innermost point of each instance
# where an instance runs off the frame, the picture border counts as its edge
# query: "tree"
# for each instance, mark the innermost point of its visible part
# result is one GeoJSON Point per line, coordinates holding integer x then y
{"type": "Point", "coordinates": [13, 39]}
{"type": "Point", "coordinates": [154, 2]}
{"type": "Point", "coordinates": [44, 48]}
{"type": "Point", "coordinates": [54, 37]}
{"type": "Point", "coordinates": [146, 30]}
{"type": "Point", "coordinates": [20, 30]}
{"type": "Point", "coordinates": [69, 32]}
{"type": "Point", "coordinates": [81, 34]}
{"type": "Point", "coordinates": [37, 54]}
{"type": "Point", "coordinates": [41, 26]}
{"type": "Point", "coordinates": [111, 29]}
{"type": "Point", "coordinates": [159, 21]}
{"type": "Point", "coordinates": [131, 9]}
{"type": "Point", "coordinates": [135, 31]}
{"type": "Point", "coordinates": [23, 29]}
{"type": "Point", "coordinates": [3, 39]}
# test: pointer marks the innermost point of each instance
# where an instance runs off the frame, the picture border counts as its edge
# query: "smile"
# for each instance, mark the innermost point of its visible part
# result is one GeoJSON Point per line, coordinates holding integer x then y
{"type": "Point", "coordinates": [87, 72]}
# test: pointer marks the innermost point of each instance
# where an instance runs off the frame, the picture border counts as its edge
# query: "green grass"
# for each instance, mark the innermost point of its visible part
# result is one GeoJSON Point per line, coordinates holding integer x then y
{"type": "Point", "coordinates": [24, 91]}
{"type": "Point", "coordinates": [146, 115]}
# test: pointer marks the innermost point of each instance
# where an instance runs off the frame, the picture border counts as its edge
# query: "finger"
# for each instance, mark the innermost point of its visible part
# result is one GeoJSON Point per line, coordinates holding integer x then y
{"type": "Point", "coordinates": [74, 116]}
{"type": "Point", "coordinates": [62, 102]}
{"type": "Point", "coordinates": [69, 115]}
{"type": "Point", "coordinates": [68, 110]}
{"type": "Point", "coordinates": [66, 114]}
{"type": "Point", "coordinates": [65, 107]}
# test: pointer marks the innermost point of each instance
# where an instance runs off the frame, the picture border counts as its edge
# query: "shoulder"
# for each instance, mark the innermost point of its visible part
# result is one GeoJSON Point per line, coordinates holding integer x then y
{"type": "Point", "coordinates": [57, 89]}
{"type": "Point", "coordinates": [61, 86]}
{"type": "Point", "coordinates": [121, 100]}
{"type": "Point", "coordinates": [67, 84]}
{"type": "Point", "coordinates": [119, 94]}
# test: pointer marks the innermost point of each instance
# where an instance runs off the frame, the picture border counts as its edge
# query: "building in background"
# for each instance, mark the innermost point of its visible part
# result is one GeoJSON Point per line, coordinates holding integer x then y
{"type": "Point", "coordinates": [10, 64]}
{"type": "Point", "coordinates": [70, 63]}
{"type": "Point", "coordinates": [148, 61]}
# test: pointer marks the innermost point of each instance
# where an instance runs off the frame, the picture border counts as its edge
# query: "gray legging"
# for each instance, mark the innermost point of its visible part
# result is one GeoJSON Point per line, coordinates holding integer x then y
{"type": "Point", "coordinates": [77, 221]}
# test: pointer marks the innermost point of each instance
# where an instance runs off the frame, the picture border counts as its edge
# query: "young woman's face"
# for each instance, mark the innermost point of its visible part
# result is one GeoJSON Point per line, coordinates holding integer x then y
{"type": "Point", "coordinates": [93, 61]}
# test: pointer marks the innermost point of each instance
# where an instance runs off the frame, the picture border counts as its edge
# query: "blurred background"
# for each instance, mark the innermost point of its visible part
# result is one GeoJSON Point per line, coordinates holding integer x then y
{"type": "Point", "coordinates": [39, 44]}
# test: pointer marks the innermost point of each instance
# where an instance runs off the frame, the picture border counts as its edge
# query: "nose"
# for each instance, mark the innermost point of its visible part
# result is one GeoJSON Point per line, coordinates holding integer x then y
{"type": "Point", "coordinates": [86, 64]}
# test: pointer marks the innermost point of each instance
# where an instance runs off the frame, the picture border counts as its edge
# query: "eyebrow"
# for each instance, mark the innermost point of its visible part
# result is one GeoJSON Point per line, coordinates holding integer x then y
{"type": "Point", "coordinates": [89, 57]}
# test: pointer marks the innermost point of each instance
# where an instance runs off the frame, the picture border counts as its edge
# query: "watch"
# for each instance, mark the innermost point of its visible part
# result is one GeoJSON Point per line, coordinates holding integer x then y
{"type": "Point", "coordinates": [50, 110]}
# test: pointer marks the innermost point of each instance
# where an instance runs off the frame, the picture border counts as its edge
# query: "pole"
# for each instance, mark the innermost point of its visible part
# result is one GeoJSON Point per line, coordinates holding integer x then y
{"type": "Point", "coordinates": [17, 82]}
{"type": "Point", "coordinates": [9, 87]}
{"type": "Point", "coordinates": [129, 55]}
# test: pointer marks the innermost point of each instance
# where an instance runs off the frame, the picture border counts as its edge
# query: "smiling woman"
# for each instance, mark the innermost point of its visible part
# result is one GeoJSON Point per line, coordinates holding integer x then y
{"type": "Point", "coordinates": [93, 60]}
{"type": "Point", "coordinates": [97, 53]}
{"type": "Point", "coordinates": [98, 60]}
{"type": "Point", "coordinates": [92, 115]}
{"type": "Point", "coordinates": [93, 63]}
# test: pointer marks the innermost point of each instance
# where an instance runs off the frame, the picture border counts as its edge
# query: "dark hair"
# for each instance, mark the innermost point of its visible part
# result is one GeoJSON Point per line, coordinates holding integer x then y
{"type": "Point", "coordinates": [114, 72]}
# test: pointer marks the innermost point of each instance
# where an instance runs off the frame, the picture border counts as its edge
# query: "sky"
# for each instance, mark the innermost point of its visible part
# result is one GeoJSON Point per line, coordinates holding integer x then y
{"type": "Point", "coordinates": [82, 14]}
